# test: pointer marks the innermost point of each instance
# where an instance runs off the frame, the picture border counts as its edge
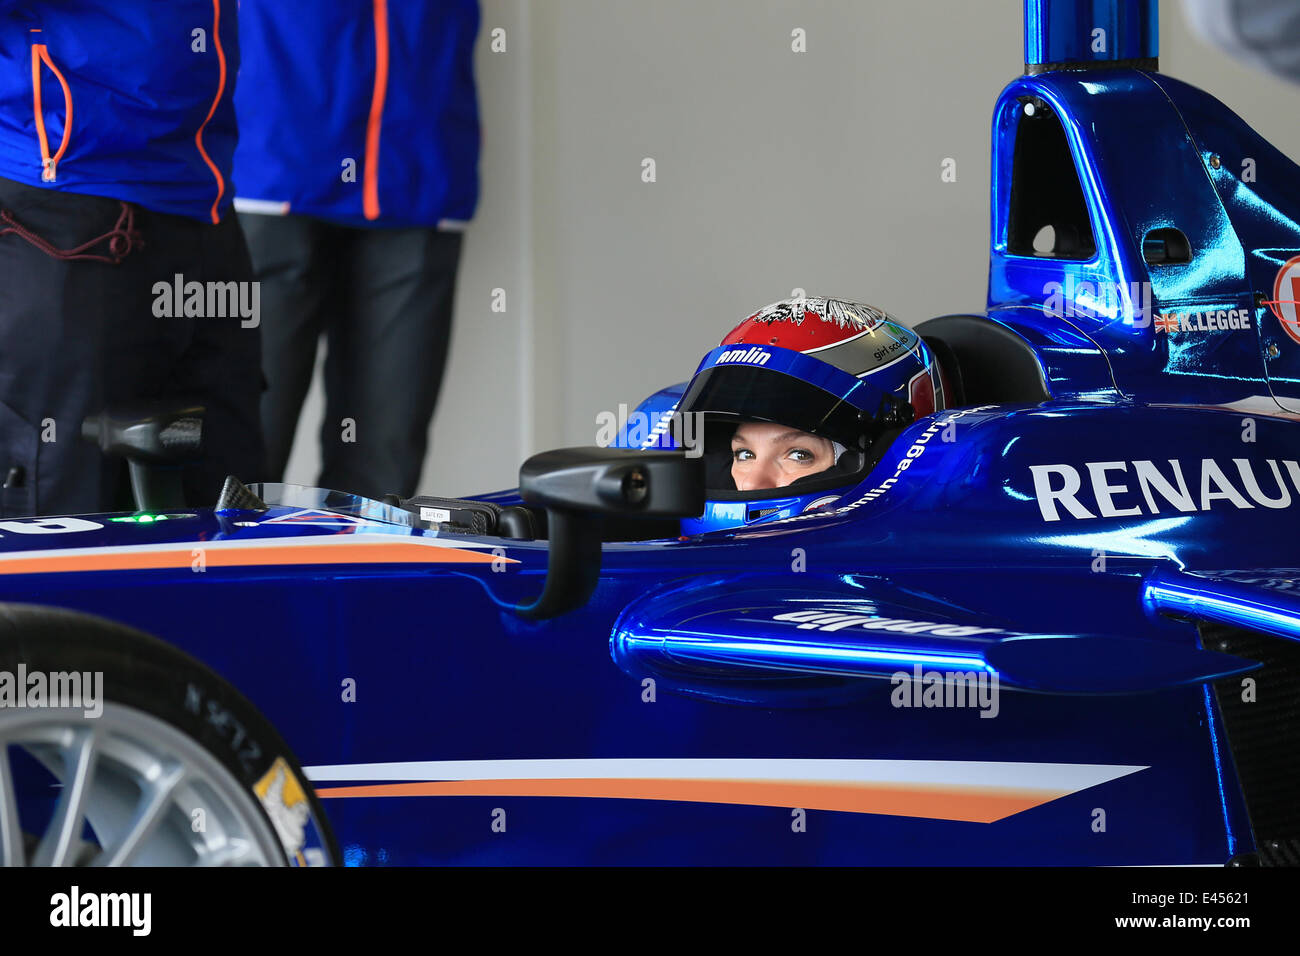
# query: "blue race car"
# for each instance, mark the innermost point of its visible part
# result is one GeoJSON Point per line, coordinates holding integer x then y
{"type": "Point", "coordinates": [1015, 587]}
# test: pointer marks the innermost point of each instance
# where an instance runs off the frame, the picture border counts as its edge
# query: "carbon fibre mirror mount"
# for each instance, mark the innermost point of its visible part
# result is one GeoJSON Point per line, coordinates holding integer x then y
{"type": "Point", "coordinates": [157, 439]}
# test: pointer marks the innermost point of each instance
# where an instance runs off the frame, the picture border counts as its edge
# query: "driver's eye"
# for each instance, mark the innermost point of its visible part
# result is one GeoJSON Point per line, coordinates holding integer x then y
{"type": "Point", "coordinates": [800, 454]}
{"type": "Point", "coordinates": [742, 454]}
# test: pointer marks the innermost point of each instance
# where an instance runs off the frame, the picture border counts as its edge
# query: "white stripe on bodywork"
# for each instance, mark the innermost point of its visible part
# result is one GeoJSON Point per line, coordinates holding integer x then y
{"type": "Point", "coordinates": [962, 773]}
{"type": "Point", "coordinates": [299, 541]}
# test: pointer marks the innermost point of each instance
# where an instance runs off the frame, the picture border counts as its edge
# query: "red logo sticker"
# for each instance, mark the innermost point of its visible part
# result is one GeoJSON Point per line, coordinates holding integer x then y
{"type": "Point", "coordinates": [1286, 297]}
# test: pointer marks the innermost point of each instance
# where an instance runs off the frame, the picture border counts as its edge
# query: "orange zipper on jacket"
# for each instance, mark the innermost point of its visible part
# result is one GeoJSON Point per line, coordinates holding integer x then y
{"type": "Point", "coordinates": [370, 187]}
{"type": "Point", "coordinates": [49, 164]}
{"type": "Point", "coordinates": [221, 88]}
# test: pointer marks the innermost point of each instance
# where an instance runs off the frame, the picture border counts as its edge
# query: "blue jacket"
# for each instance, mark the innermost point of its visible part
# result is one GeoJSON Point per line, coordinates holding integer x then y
{"type": "Point", "coordinates": [361, 112]}
{"type": "Point", "coordinates": [130, 99]}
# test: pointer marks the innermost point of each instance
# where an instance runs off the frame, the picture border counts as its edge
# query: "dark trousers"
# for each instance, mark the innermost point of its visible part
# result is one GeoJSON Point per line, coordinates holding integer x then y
{"type": "Point", "coordinates": [77, 336]}
{"type": "Point", "coordinates": [383, 300]}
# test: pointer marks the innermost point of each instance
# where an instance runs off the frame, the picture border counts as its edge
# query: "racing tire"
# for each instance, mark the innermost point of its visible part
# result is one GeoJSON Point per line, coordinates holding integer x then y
{"type": "Point", "coordinates": [163, 763]}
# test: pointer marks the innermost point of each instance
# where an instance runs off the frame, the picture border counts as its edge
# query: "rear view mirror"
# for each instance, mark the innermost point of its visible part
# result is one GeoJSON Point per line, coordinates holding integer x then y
{"type": "Point", "coordinates": [615, 481]}
{"type": "Point", "coordinates": [156, 439]}
{"type": "Point", "coordinates": [577, 487]}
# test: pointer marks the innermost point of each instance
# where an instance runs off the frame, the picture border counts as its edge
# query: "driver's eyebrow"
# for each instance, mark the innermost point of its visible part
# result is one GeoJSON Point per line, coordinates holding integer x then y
{"type": "Point", "coordinates": [793, 433]}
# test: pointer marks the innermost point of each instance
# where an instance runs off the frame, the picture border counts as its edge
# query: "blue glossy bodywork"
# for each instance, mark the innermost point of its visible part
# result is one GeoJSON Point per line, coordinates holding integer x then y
{"type": "Point", "coordinates": [1145, 147]}
{"type": "Point", "coordinates": [446, 671]}
{"type": "Point", "coordinates": [1038, 543]}
{"type": "Point", "coordinates": [1090, 31]}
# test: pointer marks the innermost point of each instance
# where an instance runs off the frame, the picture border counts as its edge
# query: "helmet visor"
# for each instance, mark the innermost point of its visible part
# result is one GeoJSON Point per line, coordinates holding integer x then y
{"type": "Point", "coordinates": [834, 405]}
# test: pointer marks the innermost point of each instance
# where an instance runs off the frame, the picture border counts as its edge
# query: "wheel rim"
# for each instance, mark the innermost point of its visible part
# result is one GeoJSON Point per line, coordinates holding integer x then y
{"type": "Point", "coordinates": [148, 794]}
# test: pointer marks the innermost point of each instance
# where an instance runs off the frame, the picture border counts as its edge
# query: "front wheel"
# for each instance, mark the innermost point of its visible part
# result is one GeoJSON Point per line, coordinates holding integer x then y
{"type": "Point", "coordinates": [117, 749]}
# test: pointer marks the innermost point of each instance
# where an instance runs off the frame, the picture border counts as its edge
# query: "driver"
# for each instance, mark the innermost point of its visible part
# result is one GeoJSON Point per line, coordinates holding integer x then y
{"type": "Point", "coordinates": [766, 455]}
{"type": "Point", "coordinates": [799, 402]}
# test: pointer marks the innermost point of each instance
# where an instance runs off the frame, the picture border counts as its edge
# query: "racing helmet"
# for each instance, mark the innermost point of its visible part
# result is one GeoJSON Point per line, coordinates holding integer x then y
{"type": "Point", "coordinates": [836, 370]}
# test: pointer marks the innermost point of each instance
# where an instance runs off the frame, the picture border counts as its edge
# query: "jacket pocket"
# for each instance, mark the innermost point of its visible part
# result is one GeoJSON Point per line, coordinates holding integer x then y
{"type": "Point", "coordinates": [49, 163]}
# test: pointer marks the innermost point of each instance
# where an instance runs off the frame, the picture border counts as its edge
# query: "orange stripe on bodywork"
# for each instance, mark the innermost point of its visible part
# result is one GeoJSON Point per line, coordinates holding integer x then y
{"type": "Point", "coordinates": [49, 164]}
{"type": "Point", "coordinates": [968, 804]}
{"type": "Point", "coordinates": [370, 187]}
{"type": "Point", "coordinates": [221, 89]}
{"type": "Point", "coordinates": [227, 557]}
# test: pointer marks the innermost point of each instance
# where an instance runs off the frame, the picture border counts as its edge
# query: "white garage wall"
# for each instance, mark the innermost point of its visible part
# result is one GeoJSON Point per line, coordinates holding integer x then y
{"type": "Point", "coordinates": [774, 170]}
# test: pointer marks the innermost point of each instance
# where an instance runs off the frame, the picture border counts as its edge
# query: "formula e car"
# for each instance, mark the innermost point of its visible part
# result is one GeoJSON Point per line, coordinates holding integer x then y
{"type": "Point", "coordinates": [1056, 623]}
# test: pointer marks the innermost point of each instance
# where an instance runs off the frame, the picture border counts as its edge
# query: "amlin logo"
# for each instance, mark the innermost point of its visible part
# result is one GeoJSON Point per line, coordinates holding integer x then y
{"type": "Point", "coordinates": [750, 356]}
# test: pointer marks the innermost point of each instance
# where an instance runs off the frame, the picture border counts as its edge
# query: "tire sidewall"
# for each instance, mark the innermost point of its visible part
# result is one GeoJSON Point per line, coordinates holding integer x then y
{"type": "Point", "coordinates": [144, 673]}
